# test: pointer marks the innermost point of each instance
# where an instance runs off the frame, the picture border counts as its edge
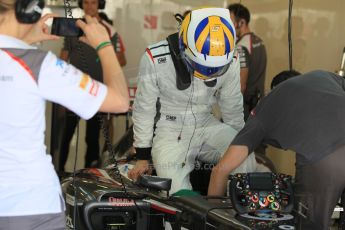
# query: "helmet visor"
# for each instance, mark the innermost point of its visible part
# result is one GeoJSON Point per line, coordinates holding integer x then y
{"type": "Point", "coordinates": [206, 72]}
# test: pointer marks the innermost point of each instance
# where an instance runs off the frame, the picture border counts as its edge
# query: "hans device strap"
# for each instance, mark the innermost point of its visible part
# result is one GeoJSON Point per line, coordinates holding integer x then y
{"type": "Point", "coordinates": [183, 77]}
{"type": "Point", "coordinates": [29, 11]}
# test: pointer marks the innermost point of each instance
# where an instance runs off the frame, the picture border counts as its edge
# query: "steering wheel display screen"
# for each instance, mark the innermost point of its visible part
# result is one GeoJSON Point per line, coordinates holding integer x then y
{"type": "Point", "coordinates": [260, 182]}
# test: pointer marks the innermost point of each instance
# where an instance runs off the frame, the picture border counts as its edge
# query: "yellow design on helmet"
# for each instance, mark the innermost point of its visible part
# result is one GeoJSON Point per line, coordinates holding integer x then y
{"type": "Point", "coordinates": [207, 41]}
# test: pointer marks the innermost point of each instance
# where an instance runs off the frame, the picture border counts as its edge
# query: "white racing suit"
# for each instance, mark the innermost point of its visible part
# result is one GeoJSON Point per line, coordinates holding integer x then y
{"type": "Point", "coordinates": [186, 130]}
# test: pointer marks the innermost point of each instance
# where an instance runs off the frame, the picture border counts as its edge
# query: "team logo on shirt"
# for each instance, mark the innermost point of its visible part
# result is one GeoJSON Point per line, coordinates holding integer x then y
{"type": "Point", "coordinates": [162, 60]}
{"type": "Point", "coordinates": [84, 81]}
{"type": "Point", "coordinates": [170, 118]}
{"type": "Point", "coordinates": [59, 63]}
{"type": "Point", "coordinates": [94, 88]}
{"type": "Point", "coordinates": [88, 84]}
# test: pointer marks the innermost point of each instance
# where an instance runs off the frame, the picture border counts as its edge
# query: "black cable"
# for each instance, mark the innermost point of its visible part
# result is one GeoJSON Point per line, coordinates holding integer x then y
{"type": "Point", "coordinates": [115, 168]}
{"type": "Point", "coordinates": [74, 174]}
{"type": "Point", "coordinates": [190, 101]}
{"type": "Point", "coordinates": [111, 151]}
{"type": "Point", "coordinates": [191, 107]}
{"type": "Point", "coordinates": [68, 13]}
{"type": "Point", "coordinates": [289, 34]}
{"type": "Point", "coordinates": [185, 112]}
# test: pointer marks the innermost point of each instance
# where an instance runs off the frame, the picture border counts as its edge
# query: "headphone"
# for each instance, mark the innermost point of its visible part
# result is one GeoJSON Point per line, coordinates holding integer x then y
{"type": "Point", "coordinates": [28, 11]}
{"type": "Point", "coordinates": [101, 4]}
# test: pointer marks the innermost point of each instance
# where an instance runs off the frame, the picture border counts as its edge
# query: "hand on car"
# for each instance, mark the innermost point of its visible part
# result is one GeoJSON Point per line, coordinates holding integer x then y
{"type": "Point", "coordinates": [141, 167]}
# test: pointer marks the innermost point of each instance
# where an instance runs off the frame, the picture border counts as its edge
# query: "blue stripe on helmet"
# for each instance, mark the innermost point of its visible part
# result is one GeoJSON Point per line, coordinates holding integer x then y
{"type": "Point", "coordinates": [202, 25]}
{"type": "Point", "coordinates": [206, 47]}
{"type": "Point", "coordinates": [227, 44]}
{"type": "Point", "coordinates": [227, 24]}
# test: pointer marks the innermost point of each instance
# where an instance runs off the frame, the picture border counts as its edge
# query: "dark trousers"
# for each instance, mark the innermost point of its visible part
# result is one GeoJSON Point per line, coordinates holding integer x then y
{"type": "Point", "coordinates": [318, 188]}
{"type": "Point", "coordinates": [91, 139]}
{"type": "Point", "coordinates": [249, 103]}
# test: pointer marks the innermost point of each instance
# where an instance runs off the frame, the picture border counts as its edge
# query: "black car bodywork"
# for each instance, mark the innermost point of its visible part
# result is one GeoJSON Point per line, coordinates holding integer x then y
{"type": "Point", "coordinates": [95, 199]}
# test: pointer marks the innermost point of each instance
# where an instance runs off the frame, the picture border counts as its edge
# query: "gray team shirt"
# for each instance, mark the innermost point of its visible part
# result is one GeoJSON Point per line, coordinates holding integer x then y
{"type": "Point", "coordinates": [305, 114]}
{"type": "Point", "coordinates": [253, 56]}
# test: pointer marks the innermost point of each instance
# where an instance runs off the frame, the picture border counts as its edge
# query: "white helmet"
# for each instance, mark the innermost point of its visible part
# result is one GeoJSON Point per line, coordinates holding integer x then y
{"type": "Point", "coordinates": [207, 42]}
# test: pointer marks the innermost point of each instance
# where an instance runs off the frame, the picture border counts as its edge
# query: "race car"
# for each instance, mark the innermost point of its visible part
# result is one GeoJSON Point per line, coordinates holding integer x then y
{"type": "Point", "coordinates": [100, 199]}
{"type": "Point", "coordinates": [105, 198]}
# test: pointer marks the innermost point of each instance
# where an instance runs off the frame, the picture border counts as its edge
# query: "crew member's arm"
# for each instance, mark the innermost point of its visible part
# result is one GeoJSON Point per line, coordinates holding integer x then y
{"type": "Point", "coordinates": [117, 98]}
{"type": "Point", "coordinates": [244, 59]}
{"type": "Point", "coordinates": [144, 112]}
{"type": "Point", "coordinates": [244, 77]}
{"type": "Point", "coordinates": [247, 139]}
{"type": "Point", "coordinates": [233, 158]}
{"type": "Point", "coordinates": [230, 99]}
